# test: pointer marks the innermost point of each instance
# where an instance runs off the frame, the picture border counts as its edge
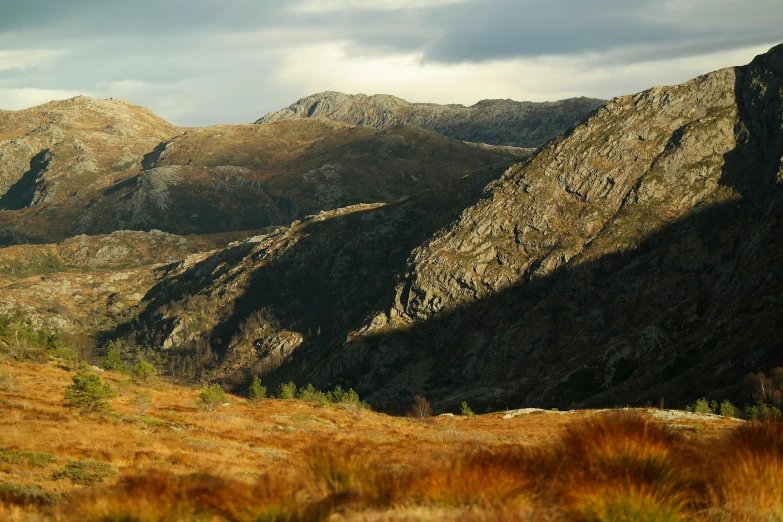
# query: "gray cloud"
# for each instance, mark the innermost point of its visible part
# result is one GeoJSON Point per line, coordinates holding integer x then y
{"type": "Point", "coordinates": [211, 61]}
{"type": "Point", "coordinates": [529, 28]}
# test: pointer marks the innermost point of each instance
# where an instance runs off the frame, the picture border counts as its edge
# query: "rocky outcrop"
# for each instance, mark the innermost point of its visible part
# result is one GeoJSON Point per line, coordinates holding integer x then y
{"type": "Point", "coordinates": [496, 122]}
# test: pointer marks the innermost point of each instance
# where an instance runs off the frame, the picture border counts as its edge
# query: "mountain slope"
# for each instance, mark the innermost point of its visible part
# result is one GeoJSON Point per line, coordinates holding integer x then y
{"type": "Point", "coordinates": [496, 122]}
{"type": "Point", "coordinates": [636, 257]}
{"type": "Point", "coordinates": [86, 166]}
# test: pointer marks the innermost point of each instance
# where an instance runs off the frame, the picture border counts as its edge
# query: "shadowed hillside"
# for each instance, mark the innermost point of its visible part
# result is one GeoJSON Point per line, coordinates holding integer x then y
{"type": "Point", "coordinates": [634, 258]}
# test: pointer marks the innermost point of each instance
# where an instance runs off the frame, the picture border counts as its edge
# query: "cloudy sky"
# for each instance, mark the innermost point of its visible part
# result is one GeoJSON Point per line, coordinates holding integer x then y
{"type": "Point", "coordinates": [201, 62]}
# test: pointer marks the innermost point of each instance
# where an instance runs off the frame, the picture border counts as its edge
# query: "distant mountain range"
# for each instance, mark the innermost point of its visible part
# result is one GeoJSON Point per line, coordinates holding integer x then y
{"type": "Point", "coordinates": [87, 166]}
{"type": "Point", "coordinates": [495, 122]}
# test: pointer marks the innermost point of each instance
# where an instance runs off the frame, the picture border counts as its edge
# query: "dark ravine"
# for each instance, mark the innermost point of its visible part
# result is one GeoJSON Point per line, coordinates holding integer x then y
{"type": "Point", "coordinates": [495, 122]}
{"type": "Point", "coordinates": [637, 257]}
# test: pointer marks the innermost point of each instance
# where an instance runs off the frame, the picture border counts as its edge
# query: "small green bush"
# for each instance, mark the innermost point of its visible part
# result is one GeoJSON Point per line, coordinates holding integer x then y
{"type": "Point", "coordinates": [67, 354]}
{"type": "Point", "coordinates": [287, 391]}
{"type": "Point", "coordinates": [84, 472]}
{"type": "Point", "coordinates": [727, 409]}
{"type": "Point", "coordinates": [27, 495]}
{"type": "Point", "coordinates": [310, 394]}
{"type": "Point", "coordinates": [465, 410]}
{"type": "Point", "coordinates": [257, 391]}
{"type": "Point", "coordinates": [211, 397]}
{"type": "Point", "coordinates": [88, 392]}
{"type": "Point", "coordinates": [701, 406]}
{"type": "Point", "coordinates": [33, 458]}
{"type": "Point", "coordinates": [346, 398]}
{"type": "Point", "coordinates": [143, 373]}
{"type": "Point", "coordinates": [113, 360]}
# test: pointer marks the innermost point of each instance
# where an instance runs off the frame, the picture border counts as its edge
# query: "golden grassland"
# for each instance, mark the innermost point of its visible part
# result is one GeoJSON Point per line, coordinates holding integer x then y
{"type": "Point", "coordinates": [296, 461]}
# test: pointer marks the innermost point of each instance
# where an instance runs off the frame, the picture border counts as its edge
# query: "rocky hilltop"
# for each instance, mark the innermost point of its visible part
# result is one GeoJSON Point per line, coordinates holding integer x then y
{"type": "Point", "coordinates": [87, 166]}
{"type": "Point", "coordinates": [637, 257]}
{"type": "Point", "coordinates": [495, 122]}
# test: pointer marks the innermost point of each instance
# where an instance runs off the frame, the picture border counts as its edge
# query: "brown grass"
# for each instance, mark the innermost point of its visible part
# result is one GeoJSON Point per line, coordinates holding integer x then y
{"type": "Point", "coordinates": [293, 461]}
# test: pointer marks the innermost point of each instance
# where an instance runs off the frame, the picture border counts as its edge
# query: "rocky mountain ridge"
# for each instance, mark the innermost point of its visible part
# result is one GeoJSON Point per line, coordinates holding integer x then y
{"type": "Point", "coordinates": [86, 166]}
{"type": "Point", "coordinates": [495, 122]}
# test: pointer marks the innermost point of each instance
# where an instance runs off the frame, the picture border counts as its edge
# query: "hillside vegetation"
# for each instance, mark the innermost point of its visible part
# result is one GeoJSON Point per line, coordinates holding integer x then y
{"type": "Point", "coordinates": [156, 455]}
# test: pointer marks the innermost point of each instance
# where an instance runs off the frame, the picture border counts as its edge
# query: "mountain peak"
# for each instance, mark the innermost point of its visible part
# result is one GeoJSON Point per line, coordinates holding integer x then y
{"type": "Point", "coordinates": [495, 122]}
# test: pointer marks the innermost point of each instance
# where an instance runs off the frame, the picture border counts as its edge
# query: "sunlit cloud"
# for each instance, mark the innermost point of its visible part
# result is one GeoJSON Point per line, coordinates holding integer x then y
{"type": "Point", "coordinates": [17, 99]}
{"type": "Point", "coordinates": [329, 67]}
{"type": "Point", "coordinates": [25, 59]}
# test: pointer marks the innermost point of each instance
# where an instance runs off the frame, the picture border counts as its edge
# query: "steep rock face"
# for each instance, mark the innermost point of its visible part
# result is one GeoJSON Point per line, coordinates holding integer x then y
{"type": "Point", "coordinates": [659, 153]}
{"type": "Point", "coordinates": [637, 257]}
{"type": "Point", "coordinates": [496, 122]}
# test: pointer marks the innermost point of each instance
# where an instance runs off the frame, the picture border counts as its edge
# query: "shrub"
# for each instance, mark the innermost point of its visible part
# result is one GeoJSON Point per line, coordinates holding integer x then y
{"type": "Point", "coordinates": [211, 397]}
{"type": "Point", "coordinates": [465, 410]}
{"type": "Point", "coordinates": [257, 391]}
{"type": "Point", "coordinates": [34, 458]}
{"type": "Point", "coordinates": [142, 401]}
{"type": "Point", "coordinates": [421, 408]}
{"type": "Point", "coordinates": [67, 354]}
{"type": "Point", "coordinates": [287, 391]}
{"type": "Point", "coordinates": [727, 409]}
{"type": "Point", "coordinates": [26, 495]}
{"type": "Point", "coordinates": [763, 412]}
{"type": "Point", "coordinates": [7, 381]}
{"type": "Point", "coordinates": [346, 398]}
{"type": "Point", "coordinates": [113, 360]}
{"type": "Point", "coordinates": [701, 406]}
{"type": "Point", "coordinates": [88, 392]}
{"type": "Point", "coordinates": [143, 373]}
{"type": "Point", "coordinates": [311, 394]}
{"type": "Point", "coordinates": [84, 472]}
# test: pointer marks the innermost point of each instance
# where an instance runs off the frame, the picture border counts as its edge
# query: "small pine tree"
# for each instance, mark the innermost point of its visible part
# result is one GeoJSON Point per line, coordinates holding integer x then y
{"type": "Point", "coordinates": [311, 394]}
{"type": "Point", "coordinates": [727, 409]}
{"type": "Point", "coordinates": [211, 397]}
{"type": "Point", "coordinates": [257, 391]}
{"type": "Point", "coordinates": [465, 410]}
{"type": "Point", "coordinates": [113, 360]}
{"type": "Point", "coordinates": [88, 392]}
{"type": "Point", "coordinates": [287, 391]}
{"type": "Point", "coordinates": [702, 406]}
{"type": "Point", "coordinates": [143, 373]}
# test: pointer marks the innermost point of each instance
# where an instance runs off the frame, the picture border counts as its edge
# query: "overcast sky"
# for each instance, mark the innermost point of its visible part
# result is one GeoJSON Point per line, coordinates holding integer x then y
{"type": "Point", "coordinates": [202, 62]}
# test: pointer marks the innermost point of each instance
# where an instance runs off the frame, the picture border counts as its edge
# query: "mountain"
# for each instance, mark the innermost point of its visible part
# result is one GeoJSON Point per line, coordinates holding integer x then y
{"type": "Point", "coordinates": [87, 166]}
{"type": "Point", "coordinates": [496, 122]}
{"type": "Point", "coordinates": [634, 258]}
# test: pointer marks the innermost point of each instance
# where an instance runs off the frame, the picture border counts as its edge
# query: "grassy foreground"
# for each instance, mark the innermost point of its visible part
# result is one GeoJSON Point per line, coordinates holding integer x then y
{"type": "Point", "coordinates": [295, 461]}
